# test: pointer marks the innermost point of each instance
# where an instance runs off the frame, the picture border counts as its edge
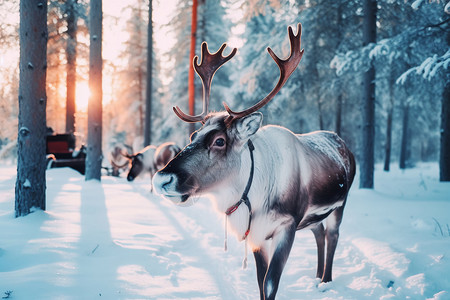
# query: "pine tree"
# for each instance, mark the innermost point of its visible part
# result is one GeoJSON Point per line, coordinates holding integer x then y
{"type": "Point", "coordinates": [30, 183]}
{"type": "Point", "coordinates": [149, 86]}
{"type": "Point", "coordinates": [94, 141]}
{"type": "Point", "coordinates": [444, 158]}
{"type": "Point", "coordinates": [367, 163]}
{"type": "Point", "coordinates": [71, 55]}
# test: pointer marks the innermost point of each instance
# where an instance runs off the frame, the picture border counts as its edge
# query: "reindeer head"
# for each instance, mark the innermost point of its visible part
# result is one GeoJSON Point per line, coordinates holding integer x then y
{"type": "Point", "coordinates": [213, 156]}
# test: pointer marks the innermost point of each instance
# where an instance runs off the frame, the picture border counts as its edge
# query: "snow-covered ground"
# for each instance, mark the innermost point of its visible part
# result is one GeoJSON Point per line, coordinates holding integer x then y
{"type": "Point", "coordinates": [115, 240]}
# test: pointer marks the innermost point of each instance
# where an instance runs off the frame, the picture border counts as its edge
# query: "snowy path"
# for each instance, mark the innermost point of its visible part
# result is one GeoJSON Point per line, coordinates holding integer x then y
{"type": "Point", "coordinates": [115, 240]}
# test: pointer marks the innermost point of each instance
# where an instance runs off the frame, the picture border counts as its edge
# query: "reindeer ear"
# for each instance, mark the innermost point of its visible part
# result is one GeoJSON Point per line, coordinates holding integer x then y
{"type": "Point", "coordinates": [249, 125]}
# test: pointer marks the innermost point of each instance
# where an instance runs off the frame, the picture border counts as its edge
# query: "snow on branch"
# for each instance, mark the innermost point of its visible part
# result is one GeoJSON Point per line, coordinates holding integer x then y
{"type": "Point", "coordinates": [354, 60]}
{"type": "Point", "coordinates": [416, 4]}
{"type": "Point", "coordinates": [428, 68]}
{"type": "Point", "coordinates": [361, 59]}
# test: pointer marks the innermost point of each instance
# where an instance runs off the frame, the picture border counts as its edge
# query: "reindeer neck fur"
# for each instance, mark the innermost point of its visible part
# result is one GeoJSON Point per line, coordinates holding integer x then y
{"type": "Point", "coordinates": [273, 176]}
{"type": "Point", "coordinates": [288, 167]}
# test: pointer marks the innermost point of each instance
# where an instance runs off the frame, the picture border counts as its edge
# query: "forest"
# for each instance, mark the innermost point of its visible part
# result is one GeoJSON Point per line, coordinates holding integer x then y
{"type": "Point", "coordinates": [88, 83]}
{"type": "Point", "coordinates": [375, 72]}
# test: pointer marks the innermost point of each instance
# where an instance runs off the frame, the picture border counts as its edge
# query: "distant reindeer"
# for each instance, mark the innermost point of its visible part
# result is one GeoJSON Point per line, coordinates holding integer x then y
{"type": "Point", "coordinates": [117, 160]}
{"type": "Point", "coordinates": [286, 181]}
{"type": "Point", "coordinates": [151, 159]}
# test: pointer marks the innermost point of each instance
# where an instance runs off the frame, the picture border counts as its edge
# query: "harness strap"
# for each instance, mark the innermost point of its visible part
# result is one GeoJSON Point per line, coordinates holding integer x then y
{"type": "Point", "coordinates": [244, 198]}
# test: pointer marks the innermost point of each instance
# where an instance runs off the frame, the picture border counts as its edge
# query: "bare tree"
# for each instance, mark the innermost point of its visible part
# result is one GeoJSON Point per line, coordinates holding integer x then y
{"type": "Point", "coordinates": [30, 183]}
{"type": "Point", "coordinates": [368, 134]}
{"type": "Point", "coordinates": [94, 140]}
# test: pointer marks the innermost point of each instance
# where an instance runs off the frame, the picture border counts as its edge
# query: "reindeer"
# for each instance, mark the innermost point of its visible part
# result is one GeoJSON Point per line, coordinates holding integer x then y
{"type": "Point", "coordinates": [150, 159]}
{"type": "Point", "coordinates": [286, 181]}
{"type": "Point", "coordinates": [117, 160]}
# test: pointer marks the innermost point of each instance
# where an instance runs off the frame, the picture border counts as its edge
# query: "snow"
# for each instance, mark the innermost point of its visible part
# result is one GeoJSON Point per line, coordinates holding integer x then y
{"type": "Point", "coordinates": [115, 240]}
{"type": "Point", "coordinates": [27, 183]}
{"type": "Point", "coordinates": [416, 4]}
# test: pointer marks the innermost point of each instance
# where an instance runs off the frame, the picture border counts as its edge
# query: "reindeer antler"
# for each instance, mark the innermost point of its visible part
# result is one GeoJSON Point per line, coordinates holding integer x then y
{"type": "Point", "coordinates": [212, 62]}
{"type": "Point", "coordinates": [286, 67]}
{"type": "Point", "coordinates": [209, 65]}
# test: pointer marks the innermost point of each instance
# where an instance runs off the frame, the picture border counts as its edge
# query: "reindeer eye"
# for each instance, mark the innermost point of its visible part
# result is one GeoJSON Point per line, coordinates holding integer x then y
{"type": "Point", "coordinates": [220, 142]}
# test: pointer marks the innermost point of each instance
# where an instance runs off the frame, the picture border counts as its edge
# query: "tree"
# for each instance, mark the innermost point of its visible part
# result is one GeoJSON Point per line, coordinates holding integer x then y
{"type": "Point", "coordinates": [191, 87]}
{"type": "Point", "coordinates": [9, 75]}
{"type": "Point", "coordinates": [404, 148]}
{"type": "Point", "coordinates": [148, 95]}
{"type": "Point", "coordinates": [390, 111]}
{"type": "Point", "coordinates": [56, 67]}
{"type": "Point", "coordinates": [212, 29]}
{"type": "Point", "coordinates": [63, 58]}
{"type": "Point", "coordinates": [71, 56]}
{"type": "Point", "coordinates": [30, 183]}
{"type": "Point", "coordinates": [368, 135]}
{"type": "Point", "coordinates": [94, 140]}
{"type": "Point", "coordinates": [444, 158]}
{"type": "Point", "coordinates": [433, 36]}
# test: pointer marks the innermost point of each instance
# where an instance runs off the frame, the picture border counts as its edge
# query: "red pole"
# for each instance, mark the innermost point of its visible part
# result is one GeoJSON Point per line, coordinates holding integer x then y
{"type": "Point", "coordinates": [191, 87]}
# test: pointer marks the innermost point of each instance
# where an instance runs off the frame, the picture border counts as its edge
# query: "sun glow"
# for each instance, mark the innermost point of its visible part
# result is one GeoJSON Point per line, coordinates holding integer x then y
{"type": "Point", "coordinates": [82, 95]}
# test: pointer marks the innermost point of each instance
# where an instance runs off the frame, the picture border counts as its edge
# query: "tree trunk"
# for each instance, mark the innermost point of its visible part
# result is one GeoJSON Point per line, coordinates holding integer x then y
{"type": "Point", "coordinates": [338, 81]}
{"type": "Point", "coordinates": [390, 112]}
{"type": "Point", "coordinates": [94, 140]}
{"type": "Point", "coordinates": [140, 79]}
{"type": "Point", "coordinates": [319, 108]}
{"type": "Point", "coordinates": [148, 96]}
{"type": "Point", "coordinates": [444, 157]}
{"type": "Point", "coordinates": [368, 134]}
{"type": "Point", "coordinates": [404, 145]}
{"type": "Point", "coordinates": [30, 182]}
{"type": "Point", "coordinates": [71, 55]}
{"type": "Point", "coordinates": [388, 146]}
{"type": "Point", "coordinates": [191, 86]}
{"type": "Point", "coordinates": [339, 112]}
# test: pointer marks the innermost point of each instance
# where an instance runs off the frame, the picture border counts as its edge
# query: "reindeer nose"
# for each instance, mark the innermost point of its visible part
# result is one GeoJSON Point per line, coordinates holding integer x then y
{"type": "Point", "coordinates": [162, 182]}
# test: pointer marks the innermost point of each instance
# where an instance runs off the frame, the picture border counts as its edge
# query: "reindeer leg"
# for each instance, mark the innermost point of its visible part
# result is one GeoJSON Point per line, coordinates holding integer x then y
{"type": "Point", "coordinates": [281, 247]}
{"type": "Point", "coordinates": [332, 236]}
{"type": "Point", "coordinates": [261, 269]}
{"type": "Point", "coordinates": [319, 234]}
